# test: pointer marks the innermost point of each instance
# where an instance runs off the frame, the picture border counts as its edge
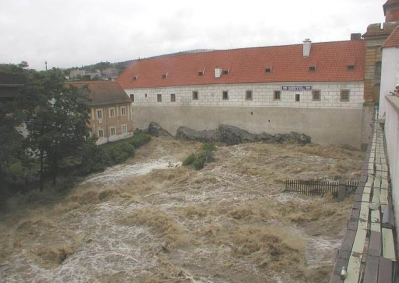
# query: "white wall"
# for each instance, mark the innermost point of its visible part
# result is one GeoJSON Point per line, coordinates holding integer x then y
{"type": "Point", "coordinates": [114, 138]}
{"type": "Point", "coordinates": [389, 70]}
{"type": "Point", "coordinates": [211, 95]}
{"type": "Point", "coordinates": [392, 141]}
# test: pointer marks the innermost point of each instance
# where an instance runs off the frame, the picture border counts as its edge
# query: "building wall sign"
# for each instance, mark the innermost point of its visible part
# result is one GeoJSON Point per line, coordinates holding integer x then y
{"type": "Point", "coordinates": [296, 87]}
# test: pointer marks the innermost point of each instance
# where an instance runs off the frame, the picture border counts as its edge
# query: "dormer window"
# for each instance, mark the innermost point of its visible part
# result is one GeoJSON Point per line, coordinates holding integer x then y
{"type": "Point", "coordinates": [135, 78]}
{"type": "Point", "coordinates": [350, 64]}
{"type": "Point", "coordinates": [225, 72]}
{"type": "Point", "coordinates": [201, 73]}
{"type": "Point", "coordinates": [164, 76]}
{"type": "Point", "coordinates": [312, 68]}
{"type": "Point", "coordinates": [268, 70]}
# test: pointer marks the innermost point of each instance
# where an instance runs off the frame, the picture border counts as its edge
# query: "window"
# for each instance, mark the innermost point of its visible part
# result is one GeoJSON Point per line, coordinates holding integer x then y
{"type": "Point", "coordinates": [124, 129]}
{"type": "Point", "coordinates": [316, 95]}
{"type": "Point", "coordinates": [132, 97]}
{"type": "Point", "coordinates": [145, 95]}
{"type": "Point", "coordinates": [345, 95]}
{"type": "Point", "coordinates": [195, 95]}
{"type": "Point", "coordinates": [350, 67]}
{"type": "Point", "coordinates": [135, 78]}
{"type": "Point", "coordinates": [99, 114]}
{"type": "Point", "coordinates": [164, 76]}
{"type": "Point", "coordinates": [297, 97]}
{"type": "Point", "coordinates": [377, 74]}
{"type": "Point", "coordinates": [312, 68]}
{"type": "Point", "coordinates": [201, 73]}
{"type": "Point", "coordinates": [100, 133]}
{"type": "Point", "coordinates": [225, 72]}
{"type": "Point", "coordinates": [123, 110]}
{"type": "Point", "coordinates": [225, 95]}
{"type": "Point", "coordinates": [159, 97]}
{"type": "Point", "coordinates": [172, 97]}
{"type": "Point", "coordinates": [112, 112]}
{"type": "Point", "coordinates": [248, 95]}
{"type": "Point", "coordinates": [277, 95]}
{"type": "Point", "coordinates": [268, 70]}
{"type": "Point", "coordinates": [112, 131]}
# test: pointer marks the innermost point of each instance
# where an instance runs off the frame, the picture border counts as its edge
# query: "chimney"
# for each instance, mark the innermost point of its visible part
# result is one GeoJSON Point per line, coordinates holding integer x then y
{"type": "Point", "coordinates": [356, 36]}
{"type": "Point", "coordinates": [218, 72]}
{"type": "Point", "coordinates": [306, 47]}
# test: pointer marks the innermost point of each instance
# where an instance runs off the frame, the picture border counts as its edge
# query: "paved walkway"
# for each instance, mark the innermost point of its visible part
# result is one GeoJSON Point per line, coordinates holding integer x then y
{"type": "Point", "coordinates": [368, 251]}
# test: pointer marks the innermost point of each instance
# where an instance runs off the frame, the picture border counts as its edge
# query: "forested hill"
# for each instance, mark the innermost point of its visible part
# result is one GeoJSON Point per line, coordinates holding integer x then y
{"type": "Point", "coordinates": [124, 64]}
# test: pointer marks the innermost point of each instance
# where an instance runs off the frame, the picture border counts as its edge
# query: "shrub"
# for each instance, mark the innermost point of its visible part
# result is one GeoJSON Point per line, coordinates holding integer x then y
{"type": "Point", "coordinates": [209, 146]}
{"type": "Point", "coordinates": [189, 160]}
{"type": "Point", "coordinates": [201, 159]}
{"type": "Point", "coordinates": [118, 153]}
{"type": "Point", "coordinates": [93, 159]}
{"type": "Point", "coordinates": [139, 139]}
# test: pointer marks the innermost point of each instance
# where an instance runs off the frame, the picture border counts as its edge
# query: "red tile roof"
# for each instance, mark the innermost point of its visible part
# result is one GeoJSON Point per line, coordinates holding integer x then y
{"type": "Point", "coordinates": [393, 39]}
{"type": "Point", "coordinates": [248, 65]}
{"type": "Point", "coordinates": [103, 92]}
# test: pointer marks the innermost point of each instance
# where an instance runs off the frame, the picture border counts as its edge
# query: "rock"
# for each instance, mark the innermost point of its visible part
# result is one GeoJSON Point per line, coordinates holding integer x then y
{"type": "Point", "coordinates": [156, 130]}
{"type": "Point", "coordinates": [234, 135]}
{"type": "Point", "coordinates": [184, 133]}
{"type": "Point", "coordinates": [266, 138]}
{"type": "Point", "coordinates": [293, 137]}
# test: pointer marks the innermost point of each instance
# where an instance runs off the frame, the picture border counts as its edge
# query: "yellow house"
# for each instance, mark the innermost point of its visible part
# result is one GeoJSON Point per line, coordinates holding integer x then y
{"type": "Point", "coordinates": [110, 110]}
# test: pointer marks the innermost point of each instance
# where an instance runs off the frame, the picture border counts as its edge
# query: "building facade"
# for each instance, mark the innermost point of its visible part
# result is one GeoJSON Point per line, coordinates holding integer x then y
{"type": "Point", "coordinates": [375, 37]}
{"type": "Point", "coordinates": [110, 110]}
{"type": "Point", "coordinates": [311, 88]}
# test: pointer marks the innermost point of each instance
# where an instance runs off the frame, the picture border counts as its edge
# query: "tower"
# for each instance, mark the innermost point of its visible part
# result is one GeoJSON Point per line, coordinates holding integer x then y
{"type": "Point", "coordinates": [391, 11]}
{"type": "Point", "coordinates": [375, 37]}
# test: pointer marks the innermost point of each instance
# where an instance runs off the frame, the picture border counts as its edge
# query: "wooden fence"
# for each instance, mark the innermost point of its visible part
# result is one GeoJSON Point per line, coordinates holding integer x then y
{"type": "Point", "coordinates": [319, 188]}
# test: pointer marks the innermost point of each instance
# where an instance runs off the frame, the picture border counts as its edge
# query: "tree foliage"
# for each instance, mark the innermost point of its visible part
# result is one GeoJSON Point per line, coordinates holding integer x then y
{"type": "Point", "coordinates": [57, 119]}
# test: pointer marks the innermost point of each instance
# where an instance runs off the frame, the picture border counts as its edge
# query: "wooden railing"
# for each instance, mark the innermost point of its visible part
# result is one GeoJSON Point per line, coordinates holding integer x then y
{"type": "Point", "coordinates": [320, 188]}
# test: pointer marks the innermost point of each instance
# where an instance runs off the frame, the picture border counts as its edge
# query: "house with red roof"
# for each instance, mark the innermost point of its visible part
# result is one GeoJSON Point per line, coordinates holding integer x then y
{"type": "Point", "coordinates": [110, 111]}
{"type": "Point", "coordinates": [311, 88]}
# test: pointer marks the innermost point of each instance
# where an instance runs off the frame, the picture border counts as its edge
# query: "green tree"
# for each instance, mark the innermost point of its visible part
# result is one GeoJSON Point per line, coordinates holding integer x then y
{"type": "Point", "coordinates": [10, 146]}
{"type": "Point", "coordinates": [57, 116]}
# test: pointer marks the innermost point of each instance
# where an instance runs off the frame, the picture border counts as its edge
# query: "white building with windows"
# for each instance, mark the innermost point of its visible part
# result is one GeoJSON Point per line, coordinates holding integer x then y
{"type": "Point", "coordinates": [311, 88]}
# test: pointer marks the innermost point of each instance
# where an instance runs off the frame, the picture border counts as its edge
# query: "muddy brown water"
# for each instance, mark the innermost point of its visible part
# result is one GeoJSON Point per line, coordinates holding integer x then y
{"type": "Point", "coordinates": [151, 220]}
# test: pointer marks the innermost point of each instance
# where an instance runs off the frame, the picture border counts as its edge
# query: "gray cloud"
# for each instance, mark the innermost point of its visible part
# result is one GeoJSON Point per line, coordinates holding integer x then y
{"type": "Point", "coordinates": [74, 33]}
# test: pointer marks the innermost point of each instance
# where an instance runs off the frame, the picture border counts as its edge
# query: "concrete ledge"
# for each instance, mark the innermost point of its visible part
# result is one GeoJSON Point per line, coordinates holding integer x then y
{"type": "Point", "coordinates": [394, 101]}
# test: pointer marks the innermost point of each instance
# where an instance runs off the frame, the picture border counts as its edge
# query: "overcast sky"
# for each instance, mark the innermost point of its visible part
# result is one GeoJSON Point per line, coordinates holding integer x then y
{"type": "Point", "coordinates": [70, 33]}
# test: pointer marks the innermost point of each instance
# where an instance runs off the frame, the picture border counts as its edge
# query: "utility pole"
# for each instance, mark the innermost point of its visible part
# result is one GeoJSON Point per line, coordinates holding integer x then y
{"type": "Point", "coordinates": [45, 62]}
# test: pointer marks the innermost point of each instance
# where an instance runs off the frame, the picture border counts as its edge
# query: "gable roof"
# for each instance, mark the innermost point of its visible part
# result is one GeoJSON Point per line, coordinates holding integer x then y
{"type": "Point", "coordinates": [393, 39]}
{"type": "Point", "coordinates": [10, 85]}
{"type": "Point", "coordinates": [247, 65]}
{"type": "Point", "coordinates": [103, 92]}
{"type": "Point", "coordinates": [11, 79]}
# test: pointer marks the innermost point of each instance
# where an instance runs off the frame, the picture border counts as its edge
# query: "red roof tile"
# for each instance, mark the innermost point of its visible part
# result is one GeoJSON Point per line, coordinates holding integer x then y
{"type": "Point", "coordinates": [393, 39]}
{"type": "Point", "coordinates": [103, 92]}
{"type": "Point", "coordinates": [248, 65]}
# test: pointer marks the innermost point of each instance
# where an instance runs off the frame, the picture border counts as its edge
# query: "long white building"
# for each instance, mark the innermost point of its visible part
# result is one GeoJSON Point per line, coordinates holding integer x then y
{"type": "Point", "coordinates": [311, 88]}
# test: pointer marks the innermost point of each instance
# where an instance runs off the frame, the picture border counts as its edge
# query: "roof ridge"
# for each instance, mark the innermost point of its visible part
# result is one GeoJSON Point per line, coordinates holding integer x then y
{"type": "Point", "coordinates": [183, 53]}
